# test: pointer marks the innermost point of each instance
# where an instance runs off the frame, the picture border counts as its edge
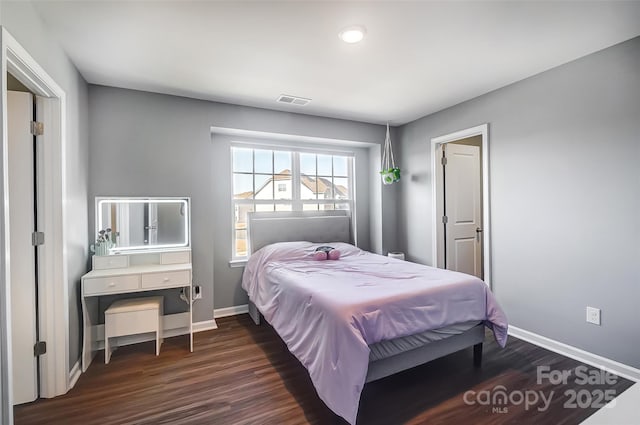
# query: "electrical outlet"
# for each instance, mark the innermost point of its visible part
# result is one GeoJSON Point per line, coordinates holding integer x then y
{"type": "Point", "coordinates": [197, 292]}
{"type": "Point", "coordinates": [593, 315]}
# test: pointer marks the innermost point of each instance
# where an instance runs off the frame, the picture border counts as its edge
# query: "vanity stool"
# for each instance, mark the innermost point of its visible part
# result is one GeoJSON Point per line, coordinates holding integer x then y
{"type": "Point", "coordinates": [130, 317]}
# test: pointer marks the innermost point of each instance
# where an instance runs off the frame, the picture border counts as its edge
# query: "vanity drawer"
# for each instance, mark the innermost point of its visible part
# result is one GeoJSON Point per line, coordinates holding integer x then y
{"type": "Point", "coordinates": [177, 257]}
{"type": "Point", "coordinates": [104, 262]}
{"type": "Point", "coordinates": [114, 284]}
{"type": "Point", "coordinates": [168, 279]}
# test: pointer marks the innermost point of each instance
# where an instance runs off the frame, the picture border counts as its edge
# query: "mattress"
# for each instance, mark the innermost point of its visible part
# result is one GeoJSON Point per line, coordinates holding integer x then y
{"type": "Point", "coordinates": [330, 312]}
{"type": "Point", "coordinates": [383, 349]}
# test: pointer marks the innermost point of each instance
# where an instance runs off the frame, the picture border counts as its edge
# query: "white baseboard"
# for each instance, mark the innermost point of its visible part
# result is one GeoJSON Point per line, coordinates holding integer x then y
{"type": "Point", "coordinates": [230, 311]}
{"type": "Point", "coordinates": [575, 353]}
{"type": "Point", "coordinates": [74, 374]}
{"type": "Point", "coordinates": [205, 325]}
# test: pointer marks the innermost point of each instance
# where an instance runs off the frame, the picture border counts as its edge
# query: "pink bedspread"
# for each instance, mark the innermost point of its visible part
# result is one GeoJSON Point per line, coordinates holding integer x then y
{"type": "Point", "coordinates": [328, 312]}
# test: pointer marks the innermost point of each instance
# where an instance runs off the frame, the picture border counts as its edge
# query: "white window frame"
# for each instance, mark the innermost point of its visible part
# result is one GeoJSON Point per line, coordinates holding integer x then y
{"type": "Point", "coordinates": [297, 204]}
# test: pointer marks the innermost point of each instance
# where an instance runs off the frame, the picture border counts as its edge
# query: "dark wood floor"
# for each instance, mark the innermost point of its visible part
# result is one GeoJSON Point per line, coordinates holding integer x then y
{"type": "Point", "coordinates": [243, 374]}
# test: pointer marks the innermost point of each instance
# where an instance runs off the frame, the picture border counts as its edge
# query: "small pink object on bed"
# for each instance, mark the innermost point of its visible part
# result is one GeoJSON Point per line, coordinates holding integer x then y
{"type": "Point", "coordinates": [334, 254]}
{"type": "Point", "coordinates": [325, 253]}
{"type": "Point", "coordinates": [319, 255]}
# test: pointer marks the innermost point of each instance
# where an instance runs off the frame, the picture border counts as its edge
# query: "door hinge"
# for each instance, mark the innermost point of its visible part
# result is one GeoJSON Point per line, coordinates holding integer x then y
{"type": "Point", "coordinates": [444, 160]}
{"type": "Point", "coordinates": [39, 348]}
{"type": "Point", "coordinates": [445, 219]}
{"type": "Point", "coordinates": [37, 128]}
{"type": "Point", "coordinates": [37, 238]}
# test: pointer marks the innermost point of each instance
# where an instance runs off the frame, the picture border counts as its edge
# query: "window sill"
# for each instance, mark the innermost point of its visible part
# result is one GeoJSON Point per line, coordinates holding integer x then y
{"type": "Point", "coordinates": [237, 263]}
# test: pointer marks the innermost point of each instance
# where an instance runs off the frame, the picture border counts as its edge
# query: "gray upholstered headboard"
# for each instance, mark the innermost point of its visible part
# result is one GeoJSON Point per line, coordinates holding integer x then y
{"type": "Point", "coordinates": [265, 228]}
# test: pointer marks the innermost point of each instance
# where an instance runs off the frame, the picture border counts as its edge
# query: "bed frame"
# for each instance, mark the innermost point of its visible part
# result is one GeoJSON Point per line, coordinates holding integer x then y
{"type": "Point", "coordinates": [265, 228]}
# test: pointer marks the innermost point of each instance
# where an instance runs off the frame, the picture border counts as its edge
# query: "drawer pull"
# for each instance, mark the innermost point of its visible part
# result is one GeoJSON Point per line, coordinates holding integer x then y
{"type": "Point", "coordinates": [166, 279]}
{"type": "Point", "coordinates": [112, 284]}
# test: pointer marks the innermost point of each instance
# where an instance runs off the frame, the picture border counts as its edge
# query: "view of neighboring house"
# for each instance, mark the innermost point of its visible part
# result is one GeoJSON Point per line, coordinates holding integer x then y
{"type": "Point", "coordinates": [279, 188]}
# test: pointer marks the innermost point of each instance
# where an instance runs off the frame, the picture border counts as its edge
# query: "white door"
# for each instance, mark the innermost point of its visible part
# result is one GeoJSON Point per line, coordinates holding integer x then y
{"type": "Point", "coordinates": [463, 209]}
{"type": "Point", "coordinates": [21, 251]}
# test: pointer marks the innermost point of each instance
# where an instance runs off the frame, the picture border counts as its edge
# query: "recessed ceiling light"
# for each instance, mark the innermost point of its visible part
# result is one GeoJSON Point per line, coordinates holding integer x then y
{"type": "Point", "coordinates": [352, 34]}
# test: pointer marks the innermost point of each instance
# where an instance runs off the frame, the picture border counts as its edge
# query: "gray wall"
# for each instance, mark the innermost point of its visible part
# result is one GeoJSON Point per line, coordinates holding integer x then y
{"type": "Point", "coordinates": [24, 24]}
{"type": "Point", "coordinates": [144, 144]}
{"type": "Point", "coordinates": [565, 196]}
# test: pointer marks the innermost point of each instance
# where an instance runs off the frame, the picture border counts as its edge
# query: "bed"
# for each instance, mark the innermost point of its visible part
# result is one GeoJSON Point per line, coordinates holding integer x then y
{"type": "Point", "coordinates": [364, 316]}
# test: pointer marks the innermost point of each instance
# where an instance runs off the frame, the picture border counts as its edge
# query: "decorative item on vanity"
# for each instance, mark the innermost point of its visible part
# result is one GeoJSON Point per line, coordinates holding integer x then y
{"type": "Point", "coordinates": [104, 243]}
{"type": "Point", "coordinates": [390, 173]}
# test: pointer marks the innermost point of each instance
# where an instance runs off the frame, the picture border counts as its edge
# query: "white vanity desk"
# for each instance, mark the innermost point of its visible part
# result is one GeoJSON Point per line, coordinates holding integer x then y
{"type": "Point", "coordinates": [134, 274]}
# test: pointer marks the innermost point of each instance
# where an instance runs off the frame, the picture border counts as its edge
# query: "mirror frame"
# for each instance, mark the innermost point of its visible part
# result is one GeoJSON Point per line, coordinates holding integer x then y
{"type": "Point", "coordinates": [140, 199]}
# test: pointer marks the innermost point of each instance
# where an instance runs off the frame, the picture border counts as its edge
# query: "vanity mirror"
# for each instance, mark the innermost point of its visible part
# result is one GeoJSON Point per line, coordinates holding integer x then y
{"type": "Point", "coordinates": [144, 223]}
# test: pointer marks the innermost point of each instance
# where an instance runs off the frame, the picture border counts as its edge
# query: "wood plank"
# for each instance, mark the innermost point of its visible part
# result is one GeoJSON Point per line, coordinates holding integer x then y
{"type": "Point", "coordinates": [243, 374]}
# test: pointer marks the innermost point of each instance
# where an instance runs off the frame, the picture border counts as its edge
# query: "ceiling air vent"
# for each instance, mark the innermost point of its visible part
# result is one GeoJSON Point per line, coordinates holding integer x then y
{"type": "Point", "coordinates": [293, 100]}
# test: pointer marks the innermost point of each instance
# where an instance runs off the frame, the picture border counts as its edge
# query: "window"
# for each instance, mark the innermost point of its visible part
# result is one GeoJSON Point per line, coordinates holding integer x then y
{"type": "Point", "coordinates": [286, 180]}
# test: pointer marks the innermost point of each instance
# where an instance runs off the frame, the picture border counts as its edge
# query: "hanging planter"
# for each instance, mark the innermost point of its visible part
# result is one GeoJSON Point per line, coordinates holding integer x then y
{"type": "Point", "coordinates": [390, 173]}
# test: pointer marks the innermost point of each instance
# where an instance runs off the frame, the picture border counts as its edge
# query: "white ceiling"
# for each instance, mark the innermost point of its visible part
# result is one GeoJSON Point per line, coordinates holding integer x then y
{"type": "Point", "coordinates": [417, 57]}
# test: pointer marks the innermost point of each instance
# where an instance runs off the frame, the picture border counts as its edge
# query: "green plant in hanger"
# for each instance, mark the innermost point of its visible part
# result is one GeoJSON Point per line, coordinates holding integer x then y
{"type": "Point", "coordinates": [390, 173]}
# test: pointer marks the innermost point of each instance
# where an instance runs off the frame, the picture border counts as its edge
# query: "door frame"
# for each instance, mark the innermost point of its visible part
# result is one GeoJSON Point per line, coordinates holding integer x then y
{"type": "Point", "coordinates": [52, 256]}
{"type": "Point", "coordinates": [437, 202]}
